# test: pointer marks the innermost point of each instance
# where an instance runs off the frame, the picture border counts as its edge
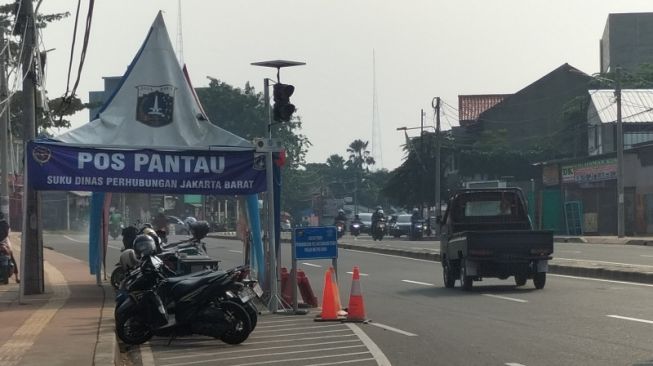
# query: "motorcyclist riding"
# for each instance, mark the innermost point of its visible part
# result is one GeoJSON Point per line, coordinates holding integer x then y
{"type": "Point", "coordinates": [356, 220]}
{"type": "Point", "coordinates": [417, 216]}
{"type": "Point", "coordinates": [377, 215]}
{"type": "Point", "coordinates": [161, 225]}
{"type": "Point", "coordinates": [341, 219]}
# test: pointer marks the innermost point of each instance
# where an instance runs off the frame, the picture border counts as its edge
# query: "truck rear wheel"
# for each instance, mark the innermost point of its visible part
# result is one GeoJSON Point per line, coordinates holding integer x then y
{"type": "Point", "coordinates": [466, 282]}
{"type": "Point", "coordinates": [448, 275]}
{"type": "Point", "coordinates": [539, 280]}
{"type": "Point", "coordinates": [520, 279]}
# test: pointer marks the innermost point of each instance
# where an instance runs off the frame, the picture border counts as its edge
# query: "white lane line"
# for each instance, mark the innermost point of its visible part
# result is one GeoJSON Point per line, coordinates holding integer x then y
{"type": "Point", "coordinates": [505, 298]}
{"type": "Point", "coordinates": [390, 255]}
{"type": "Point", "coordinates": [595, 261]}
{"type": "Point", "coordinates": [362, 274]}
{"type": "Point", "coordinates": [392, 329]}
{"type": "Point", "coordinates": [418, 283]}
{"type": "Point", "coordinates": [646, 256]}
{"type": "Point", "coordinates": [342, 362]}
{"type": "Point", "coordinates": [312, 265]}
{"type": "Point", "coordinates": [631, 319]}
{"type": "Point", "coordinates": [601, 280]}
{"type": "Point", "coordinates": [75, 240]}
{"type": "Point", "coordinates": [514, 364]}
{"type": "Point", "coordinates": [298, 328]}
{"type": "Point", "coordinates": [568, 251]}
{"type": "Point", "coordinates": [255, 337]}
{"type": "Point", "coordinates": [376, 352]}
{"type": "Point", "coordinates": [235, 251]}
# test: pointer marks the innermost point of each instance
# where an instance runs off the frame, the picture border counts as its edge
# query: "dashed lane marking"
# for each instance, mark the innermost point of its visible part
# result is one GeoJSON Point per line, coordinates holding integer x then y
{"type": "Point", "coordinates": [393, 329]}
{"type": "Point", "coordinates": [418, 283]}
{"type": "Point", "coordinates": [505, 298]}
{"type": "Point", "coordinates": [235, 251]}
{"type": "Point", "coordinates": [312, 265]}
{"type": "Point", "coordinates": [362, 274]}
{"type": "Point", "coordinates": [514, 364]}
{"type": "Point", "coordinates": [631, 319]}
{"type": "Point", "coordinates": [23, 338]}
{"type": "Point", "coordinates": [75, 240]}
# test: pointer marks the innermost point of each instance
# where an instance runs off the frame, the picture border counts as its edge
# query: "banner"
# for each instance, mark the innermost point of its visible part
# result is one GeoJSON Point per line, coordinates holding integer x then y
{"type": "Point", "coordinates": [590, 171]}
{"type": "Point", "coordinates": [71, 168]}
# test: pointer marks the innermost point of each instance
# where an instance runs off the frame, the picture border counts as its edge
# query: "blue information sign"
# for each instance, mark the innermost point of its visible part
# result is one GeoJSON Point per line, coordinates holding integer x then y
{"type": "Point", "coordinates": [315, 242]}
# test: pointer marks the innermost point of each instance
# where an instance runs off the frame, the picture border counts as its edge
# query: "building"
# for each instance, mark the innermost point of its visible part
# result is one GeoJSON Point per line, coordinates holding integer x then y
{"type": "Point", "coordinates": [627, 41]}
{"type": "Point", "coordinates": [97, 98]}
{"type": "Point", "coordinates": [471, 106]}
{"type": "Point", "coordinates": [636, 115]}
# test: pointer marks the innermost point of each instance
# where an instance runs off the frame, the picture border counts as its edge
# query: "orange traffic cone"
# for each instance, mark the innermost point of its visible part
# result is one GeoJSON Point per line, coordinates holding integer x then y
{"type": "Point", "coordinates": [336, 292]}
{"type": "Point", "coordinates": [330, 304]}
{"type": "Point", "coordinates": [356, 309]}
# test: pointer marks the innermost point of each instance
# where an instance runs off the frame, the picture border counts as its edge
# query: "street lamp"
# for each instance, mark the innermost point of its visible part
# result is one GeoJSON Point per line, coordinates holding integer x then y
{"type": "Point", "coordinates": [273, 253]}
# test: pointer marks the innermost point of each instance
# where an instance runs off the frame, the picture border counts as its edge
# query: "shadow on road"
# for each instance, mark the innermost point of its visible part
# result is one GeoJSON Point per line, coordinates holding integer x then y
{"type": "Point", "coordinates": [458, 292]}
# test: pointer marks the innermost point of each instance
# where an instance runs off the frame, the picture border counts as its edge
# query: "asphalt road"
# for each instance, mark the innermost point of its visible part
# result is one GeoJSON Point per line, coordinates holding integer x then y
{"type": "Point", "coordinates": [608, 253]}
{"type": "Point", "coordinates": [416, 321]}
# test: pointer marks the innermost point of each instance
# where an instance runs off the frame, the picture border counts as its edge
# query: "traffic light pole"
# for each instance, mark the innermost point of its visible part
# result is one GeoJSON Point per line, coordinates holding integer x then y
{"type": "Point", "coordinates": [273, 305]}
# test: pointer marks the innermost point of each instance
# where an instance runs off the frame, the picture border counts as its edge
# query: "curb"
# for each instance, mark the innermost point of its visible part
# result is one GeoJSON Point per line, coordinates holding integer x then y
{"type": "Point", "coordinates": [107, 351]}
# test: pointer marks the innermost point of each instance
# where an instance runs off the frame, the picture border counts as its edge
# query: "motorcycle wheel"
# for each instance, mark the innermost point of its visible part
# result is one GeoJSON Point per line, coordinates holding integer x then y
{"type": "Point", "coordinates": [241, 325]}
{"type": "Point", "coordinates": [117, 276]}
{"type": "Point", "coordinates": [133, 329]}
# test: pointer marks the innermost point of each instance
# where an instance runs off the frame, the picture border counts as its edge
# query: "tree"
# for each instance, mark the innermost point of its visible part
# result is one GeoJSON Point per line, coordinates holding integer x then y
{"type": "Point", "coordinates": [359, 157]}
{"type": "Point", "coordinates": [53, 117]}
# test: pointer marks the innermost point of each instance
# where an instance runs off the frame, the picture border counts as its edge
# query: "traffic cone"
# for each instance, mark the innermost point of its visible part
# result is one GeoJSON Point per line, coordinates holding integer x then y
{"type": "Point", "coordinates": [356, 308]}
{"type": "Point", "coordinates": [336, 291]}
{"type": "Point", "coordinates": [330, 305]}
{"type": "Point", "coordinates": [286, 286]}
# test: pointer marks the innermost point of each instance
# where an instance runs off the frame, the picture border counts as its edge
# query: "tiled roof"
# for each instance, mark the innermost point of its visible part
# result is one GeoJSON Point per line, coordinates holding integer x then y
{"type": "Point", "coordinates": [471, 106]}
{"type": "Point", "coordinates": [636, 105]}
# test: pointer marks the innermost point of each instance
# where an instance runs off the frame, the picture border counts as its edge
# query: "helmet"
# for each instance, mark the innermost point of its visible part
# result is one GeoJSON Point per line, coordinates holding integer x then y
{"type": "Point", "coordinates": [199, 229]}
{"type": "Point", "coordinates": [151, 233]}
{"type": "Point", "coordinates": [189, 221]}
{"type": "Point", "coordinates": [341, 211]}
{"type": "Point", "coordinates": [379, 208]}
{"type": "Point", "coordinates": [381, 211]}
{"type": "Point", "coordinates": [415, 210]}
{"type": "Point", "coordinates": [356, 216]}
{"type": "Point", "coordinates": [144, 245]}
{"type": "Point", "coordinates": [147, 225]}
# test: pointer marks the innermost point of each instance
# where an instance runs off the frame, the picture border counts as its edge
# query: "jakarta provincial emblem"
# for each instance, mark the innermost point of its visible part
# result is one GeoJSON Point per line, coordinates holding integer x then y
{"type": "Point", "coordinates": [41, 154]}
{"type": "Point", "coordinates": [155, 104]}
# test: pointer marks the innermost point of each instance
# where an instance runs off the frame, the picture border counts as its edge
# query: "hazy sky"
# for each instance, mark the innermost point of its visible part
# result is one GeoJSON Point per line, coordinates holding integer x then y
{"type": "Point", "coordinates": [423, 49]}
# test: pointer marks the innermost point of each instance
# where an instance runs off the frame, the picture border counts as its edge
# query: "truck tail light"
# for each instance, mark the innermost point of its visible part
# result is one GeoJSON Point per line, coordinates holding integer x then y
{"type": "Point", "coordinates": [481, 252]}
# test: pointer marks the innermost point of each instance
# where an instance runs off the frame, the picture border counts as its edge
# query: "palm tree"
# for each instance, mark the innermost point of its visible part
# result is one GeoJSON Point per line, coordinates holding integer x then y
{"type": "Point", "coordinates": [359, 156]}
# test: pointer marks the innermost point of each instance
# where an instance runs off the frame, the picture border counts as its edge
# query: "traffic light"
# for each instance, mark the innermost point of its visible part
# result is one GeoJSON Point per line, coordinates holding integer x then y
{"type": "Point", "coordinates": [283, 109]}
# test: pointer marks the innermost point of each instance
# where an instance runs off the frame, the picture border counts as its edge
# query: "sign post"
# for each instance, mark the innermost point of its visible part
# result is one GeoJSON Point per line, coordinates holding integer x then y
{"type": "Point", "coordinates": [315, 242]}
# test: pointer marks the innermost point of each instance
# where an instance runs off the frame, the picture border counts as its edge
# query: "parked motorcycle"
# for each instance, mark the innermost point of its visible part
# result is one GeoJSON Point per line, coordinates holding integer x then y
{"type": "Point", "coordinates": [379, 230]}
{"type": "Point", "coordinates": [416, 230]}
{"type": "Point", "coordinates": [340, 228]}
{"type": "Point", "coordinates": [6, 264]}
{"type": "Point", "coordinates": [198, 308]}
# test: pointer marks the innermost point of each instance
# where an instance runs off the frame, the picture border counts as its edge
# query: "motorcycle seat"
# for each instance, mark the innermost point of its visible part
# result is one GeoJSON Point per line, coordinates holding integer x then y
{"type": "Point", "coordinates": [179, 286]}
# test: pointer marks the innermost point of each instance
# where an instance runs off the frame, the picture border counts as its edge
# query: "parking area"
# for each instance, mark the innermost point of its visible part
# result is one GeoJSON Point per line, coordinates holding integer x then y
{"type": "Point", "coordinates": [290, 340]}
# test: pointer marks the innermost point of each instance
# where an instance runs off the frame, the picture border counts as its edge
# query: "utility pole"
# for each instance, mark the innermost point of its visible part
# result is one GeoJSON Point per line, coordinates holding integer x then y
{"type": "Point", "coordinates": [32, 248]}
{"type": "Point", "coordinates": [423, 159]}
{"type": "Point", "coordinates": [436, 106]}
{"type": "Point", "coordinates": [4, 131]}
{"type": "Point", "coordinates": [620, 158]}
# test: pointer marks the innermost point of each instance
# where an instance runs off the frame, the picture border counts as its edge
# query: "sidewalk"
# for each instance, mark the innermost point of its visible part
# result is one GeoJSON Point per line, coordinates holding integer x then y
{"type": "Point", "coordinates": [627, 240]}
{"type": "Point", "coordinates": [70, 324]}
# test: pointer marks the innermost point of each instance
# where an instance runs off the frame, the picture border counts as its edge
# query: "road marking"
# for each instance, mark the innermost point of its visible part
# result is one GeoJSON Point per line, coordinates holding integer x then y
{"type": "Point", "coordinates": [343, 362]}
{"type": "Point", "coordinates": [312, 265]}
{"type": "Point", "coordinates": [392, 329]}
{"type": "Point", "coordinates": [23, 338]}
{"type": "Point", "coordinates": [390, 255]}
{"type": "Point", "coordinates": [376, 352]}
{"type": "Point", "coordinates": [271, 356]}
{"type": "Point", "coordinates": [296, 328]}
{"type": "Point", "coordinates": [235, 251]}
{"type": "Point", "coordinates": [255, 336]}
{"type": "Point", "coordinates": [647, 256]}
{"type": "Point", "coordinates": [569, 251]}
{"type": "Point", "coordinates": [631, 319]}
{"type": "Point", "coordinates": [362, 274]}
{"type": "Point", "coordinates": [514, 364]}
{"type": "Point", "coordinates": [75, 240]}
{"type": "Point", "coordinates": [505, 298]}
{"type": "Point", "coordinates": [601, 280]}
{"type": "Point", "coordinates": [147, 358]}
{"type": "Point", "coordinates": [418, 283]}
{"type": "Point", "coordinates": [595, 261]}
